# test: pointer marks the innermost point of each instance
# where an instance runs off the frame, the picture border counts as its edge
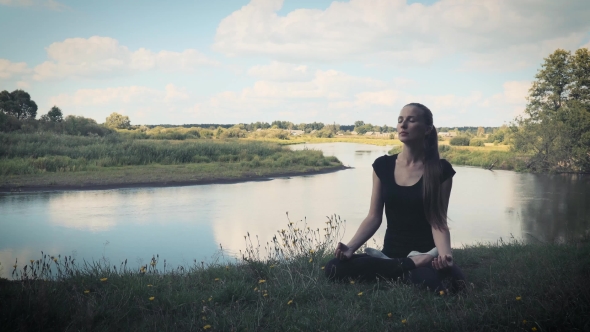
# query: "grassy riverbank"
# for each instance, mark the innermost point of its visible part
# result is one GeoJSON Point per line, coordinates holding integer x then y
{"type": "Point", "coordinates": [511, 287]}
{"type": "Point", "coordinates": [345, 138]}
{"type": "Point", "coordinates": [497, 157]}
{"type": "Point", "coordinates": [45, 159]}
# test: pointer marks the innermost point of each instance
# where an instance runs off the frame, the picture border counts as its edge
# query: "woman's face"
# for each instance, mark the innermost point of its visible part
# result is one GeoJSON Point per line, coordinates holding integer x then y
{"type": "Point", "coordinates": [411, 125]}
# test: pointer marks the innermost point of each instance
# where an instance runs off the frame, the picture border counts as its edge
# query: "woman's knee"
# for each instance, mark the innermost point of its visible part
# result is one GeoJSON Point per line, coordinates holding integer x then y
{"type": "Point", "coordinates": [331, 268]}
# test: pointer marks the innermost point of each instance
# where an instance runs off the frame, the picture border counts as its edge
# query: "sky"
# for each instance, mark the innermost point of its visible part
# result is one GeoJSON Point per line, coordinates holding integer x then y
{"type": "Point", "coordinates": [240, 61]}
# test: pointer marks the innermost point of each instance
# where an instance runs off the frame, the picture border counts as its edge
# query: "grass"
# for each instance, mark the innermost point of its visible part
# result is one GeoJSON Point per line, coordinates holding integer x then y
{"type": "Point", "coordinates": [281, 286]}
{"type": "Point", "coordinates": [499, 156]}
{"type": "Point", "coordinates": [347, 139]}
{"type": "Point", "coordinates": [44, 158]}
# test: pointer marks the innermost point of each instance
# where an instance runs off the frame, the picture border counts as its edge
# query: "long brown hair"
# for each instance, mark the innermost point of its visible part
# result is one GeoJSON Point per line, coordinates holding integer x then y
{"type": "Point", "coordinates": [435, 211]}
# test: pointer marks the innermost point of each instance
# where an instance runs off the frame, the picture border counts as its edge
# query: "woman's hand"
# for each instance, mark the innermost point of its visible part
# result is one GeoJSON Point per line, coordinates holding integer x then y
{"type": "Point", "coordinates": [442, 262]}
{"type": "Point", "coordinates": [343, 252]}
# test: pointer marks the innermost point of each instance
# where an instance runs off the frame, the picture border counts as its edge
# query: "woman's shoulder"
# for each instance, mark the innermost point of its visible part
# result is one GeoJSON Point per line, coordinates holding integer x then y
{"type": "Point", "coordinates": [381, 164]}
{"type": "Point", "coordinates": [384, 159]}
{"type": "Point", "coordinates": [447, 170]}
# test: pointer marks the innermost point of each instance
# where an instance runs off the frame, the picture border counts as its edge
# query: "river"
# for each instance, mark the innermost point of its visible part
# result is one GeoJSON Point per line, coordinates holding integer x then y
{"type": "Point", "coordinates": [183, 224]}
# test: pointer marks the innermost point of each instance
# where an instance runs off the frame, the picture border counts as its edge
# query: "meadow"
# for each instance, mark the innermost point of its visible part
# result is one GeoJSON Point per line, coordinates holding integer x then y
{"type": "Point", "coordinates": [43, 158]}
{"type": "Point", "coordinates": [280, 285]}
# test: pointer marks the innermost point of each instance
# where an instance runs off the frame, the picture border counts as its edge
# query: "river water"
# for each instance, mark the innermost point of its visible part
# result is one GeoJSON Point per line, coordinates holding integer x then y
{"type": "Point", "coordinates": [182, 224]}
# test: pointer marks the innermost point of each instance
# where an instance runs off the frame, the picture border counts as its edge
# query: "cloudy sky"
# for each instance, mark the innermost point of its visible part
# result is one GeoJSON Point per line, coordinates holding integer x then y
{"type": "Point", "coordinates": [235, 61]}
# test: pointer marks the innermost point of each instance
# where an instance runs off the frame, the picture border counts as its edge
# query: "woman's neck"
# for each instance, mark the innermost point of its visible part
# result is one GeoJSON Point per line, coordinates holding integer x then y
{"type": "Point", "coordinates": [412, 154]}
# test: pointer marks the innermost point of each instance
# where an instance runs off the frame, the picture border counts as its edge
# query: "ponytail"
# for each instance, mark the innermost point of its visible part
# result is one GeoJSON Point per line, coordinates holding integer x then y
{"type": "Point", "coordinates": [435, 212]}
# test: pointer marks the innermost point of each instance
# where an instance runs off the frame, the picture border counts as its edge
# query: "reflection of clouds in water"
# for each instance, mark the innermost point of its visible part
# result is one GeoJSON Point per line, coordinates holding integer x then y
{"type": "Point", "coordinates": [478, 204]}
{"type": "Point", "coordinates": [100, 211]}
{"type": "Point", "coordinates": [314, 197]}
{"type": "Point", "coordinates": [89, 210]}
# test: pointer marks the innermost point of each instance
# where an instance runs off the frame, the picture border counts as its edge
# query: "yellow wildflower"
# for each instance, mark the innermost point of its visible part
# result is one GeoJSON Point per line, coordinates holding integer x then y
{"type": "Point", "coordinates": [265, 294]}
{"type": "Point", "coordinates": [518, 298]}
{"type": "Point", "coordinates": [442, 292]}
{"type": "Point", "coordinates": [86, 291]}
{"type": "Point", "coordinates": [404, 321]}
{"type": "Point", "coordinates": [311, 260]}
{"type": "Point", "coordinates": [32, 261]}
{"type": "Point", "coordinates": [216, 279]}
{"type": "Point", "coordinates": [323, 267]}
{"type": "Point", "coordinates": [352, 282]}
{"type": "Point", "coordinates": [150, 285]}
{"type": "Point", "coordinates": [534, 329]}
{"type": "Point", "coordinates": [311, 251]}
{"type": "Point", "coordinates": [103, 279]}
{"type": "Point", "coordinates": [360, 294]}
{"type": "Point", "coordinates": [261, 281]}
{"type": "Point", "coordinates": [390, 315]}
{"type": "Point", "coordinates": [206, 327]}
{"type": "Point", "coordinates": [210, 299]}
{"type": "Point", "coordinates": [255, 288]}
{"type": "Point", "coordinates": [151, 298]}
{"type": "Point", "coordinates": [290, 301]}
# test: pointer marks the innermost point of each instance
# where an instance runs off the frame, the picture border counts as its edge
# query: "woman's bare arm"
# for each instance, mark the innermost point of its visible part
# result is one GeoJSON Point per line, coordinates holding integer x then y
{"type": "Point", "coordinates": [371, 223]}
{"type": "Point", "coordinates": [442, 237]}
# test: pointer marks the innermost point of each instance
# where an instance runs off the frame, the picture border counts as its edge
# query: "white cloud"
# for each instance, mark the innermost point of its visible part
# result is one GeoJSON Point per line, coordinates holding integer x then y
{"type": "Point", "coordinates": [23, 85]}
{"type": "Point", "coordinates": [10, 69]}
{"type": "Point", "coordinates": [97, 57]}
{"type": "Point", "coordinates": [143, 104]}
{"type": "Point", "coordinates": [332, 95]}
{"type": "Point", "coordinates": [512, 98]}
{"type": "Point", "coordinates": [280, 71]}
{"type": "Point", "coordinates": [400, 33]}
{"type": "Point", "coordinates": [50, 4]}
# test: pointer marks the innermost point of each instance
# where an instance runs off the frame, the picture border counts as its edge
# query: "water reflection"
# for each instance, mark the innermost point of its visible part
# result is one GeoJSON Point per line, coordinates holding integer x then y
{"type": "Point", "coordinates": [556, 207]}
{"type": "Point", "coordinates": [186, 223]}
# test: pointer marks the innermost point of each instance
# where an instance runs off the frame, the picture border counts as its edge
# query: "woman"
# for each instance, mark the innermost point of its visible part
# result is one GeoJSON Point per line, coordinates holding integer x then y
{"type": "Point", "coordinates": [414, 186]}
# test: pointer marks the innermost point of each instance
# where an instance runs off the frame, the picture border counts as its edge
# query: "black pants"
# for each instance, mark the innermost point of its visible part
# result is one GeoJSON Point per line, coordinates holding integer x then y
{"type": "Point", "coordinates": [367, 268]}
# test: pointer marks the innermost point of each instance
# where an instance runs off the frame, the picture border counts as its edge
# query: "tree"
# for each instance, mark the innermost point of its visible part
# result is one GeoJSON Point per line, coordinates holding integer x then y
{"type": "Point", "coordinates": [116, 120]}
{"type": "Point", "coordinates": [54, 115]}
{"type": "Point", "coordinates": [556, 126]}
{"type": "Point", "coordinates": [480, 131]}
{"type": "Point", "coordinates": [18, 103]}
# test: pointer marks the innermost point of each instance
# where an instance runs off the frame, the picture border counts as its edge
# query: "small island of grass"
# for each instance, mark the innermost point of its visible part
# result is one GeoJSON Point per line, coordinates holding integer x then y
{"type": "Point", "coordinates": [50, 161]}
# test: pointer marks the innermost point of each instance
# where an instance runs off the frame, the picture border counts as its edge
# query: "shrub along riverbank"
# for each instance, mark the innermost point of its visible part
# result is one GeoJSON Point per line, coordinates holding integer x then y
{"type": "Point", "coordinates": [495, 157]}
{"type": "Point", "coordinates": [42, 159]}
{"type": "Point", "coordinates": [510, 286]}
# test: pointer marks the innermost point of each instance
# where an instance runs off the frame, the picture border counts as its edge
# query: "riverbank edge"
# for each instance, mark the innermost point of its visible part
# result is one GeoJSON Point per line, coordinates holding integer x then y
{"type": "Point", "coordinates": [248, 177]}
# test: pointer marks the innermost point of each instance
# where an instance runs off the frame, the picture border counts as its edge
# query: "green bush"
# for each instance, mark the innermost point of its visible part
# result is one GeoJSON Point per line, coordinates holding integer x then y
{"type": "Point", "coordinates": [443, 148]}
{"type": "Point", "coordinates": [476, 142]}
{"type": "Point", "coordinates": [460, 141]}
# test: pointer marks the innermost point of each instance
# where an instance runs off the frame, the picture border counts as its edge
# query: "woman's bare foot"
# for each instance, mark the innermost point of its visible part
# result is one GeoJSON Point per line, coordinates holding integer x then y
{"type": "Point", "coordinates": [422, 260]}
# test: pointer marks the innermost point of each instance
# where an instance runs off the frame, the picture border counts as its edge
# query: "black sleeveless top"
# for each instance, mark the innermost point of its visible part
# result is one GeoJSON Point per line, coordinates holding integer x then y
{"type": "Point", "coordinates": [407, 227]}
